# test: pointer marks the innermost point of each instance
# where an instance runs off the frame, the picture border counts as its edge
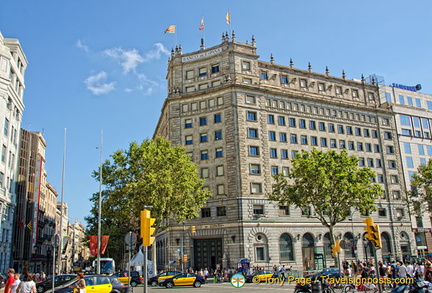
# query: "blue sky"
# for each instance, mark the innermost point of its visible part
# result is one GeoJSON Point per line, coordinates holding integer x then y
{"type": "Point", "coordinates": [100, 65]}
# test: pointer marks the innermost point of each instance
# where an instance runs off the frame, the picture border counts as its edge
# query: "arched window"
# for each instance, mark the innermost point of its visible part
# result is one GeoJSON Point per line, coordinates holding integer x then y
{"type": "Point", "coordinates": [286, 251]}
{"type": "Point", "coordinates": [348, 244]}
{"type": "Point", "coordinates": [327, 245]}
{"type": "Point", "coordinates": [386, 250]}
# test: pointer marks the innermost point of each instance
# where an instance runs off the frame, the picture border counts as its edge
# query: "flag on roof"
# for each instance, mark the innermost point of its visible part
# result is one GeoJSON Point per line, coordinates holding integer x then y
{"type": "Point", "coordinates": [202, 24]}
{"type": "Point", "coordinates": [170, 29]}
{"type": "Point", "coordinates": [228, 18]}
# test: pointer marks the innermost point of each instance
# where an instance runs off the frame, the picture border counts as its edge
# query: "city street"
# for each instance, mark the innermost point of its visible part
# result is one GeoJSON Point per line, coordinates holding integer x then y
{"type": "Point", "coordinates": [225, 287]}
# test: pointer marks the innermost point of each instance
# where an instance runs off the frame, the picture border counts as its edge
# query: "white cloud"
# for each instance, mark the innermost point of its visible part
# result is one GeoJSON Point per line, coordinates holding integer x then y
{"type": "Point", "coordinates": [94, 83]}
{"type": "Point", "coordinates": [82, 46]}
{"type": "Point", "coordinates": [129, 59]}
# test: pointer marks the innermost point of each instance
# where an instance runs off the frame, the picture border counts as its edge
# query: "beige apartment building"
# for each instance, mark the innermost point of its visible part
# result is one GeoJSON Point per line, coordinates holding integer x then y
{"type": "Point", "coordinates": [242, 120]}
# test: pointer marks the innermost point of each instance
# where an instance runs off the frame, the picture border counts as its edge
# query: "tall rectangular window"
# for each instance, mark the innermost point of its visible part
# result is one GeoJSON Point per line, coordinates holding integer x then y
{"type": "Point", "coordinates": [219, 153]}
{"type": "Point", "coordinates": [217, 118]}
{"type": "Point", "coordinates": [253, 133]}
{"type": "Point", "coordinates": [292, 122]}
{"type": "Point", "coordinates": [281, 120]}
{"type": "Point", "coordinates": [294, 138]}
{"type": "Point", "coordinates": [253, 151]}
{"type": "Point", "coordinates": [255, 169]}
{"type": "Point", "coordinates": [218, 135]}
{"type": "Point", "coordinates": [6, 127]}
{"type": "Point", "coordinates": [270, 119]}
{"type": "Point", "coordinates": [272, 135]}
{"type": "Point", "coordinates": [273, 153]}
{"type": "Point", "coordinates": [407, 147]}
{"type": "Point", "coordinates": [282, 137]}
{"type": "Point", "coordinates": [251, 116]}
{"type": "Point", "coordinates": [203, 121]}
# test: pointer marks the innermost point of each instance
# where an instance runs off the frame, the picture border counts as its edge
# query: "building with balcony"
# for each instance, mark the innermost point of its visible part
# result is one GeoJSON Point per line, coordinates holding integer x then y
{"type": "Point", "coordinates": [13, 64]}
{"type": "Point", "coordinates": [241, 121]}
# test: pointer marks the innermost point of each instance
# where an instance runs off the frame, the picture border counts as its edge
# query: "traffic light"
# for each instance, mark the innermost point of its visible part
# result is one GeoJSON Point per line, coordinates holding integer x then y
{"type": "Point", "coordinates": [146, 228]}
{"type": "Point", "coordinates": [185, 258]}
{"type": "Point", "coordinates": [179, 261]}
{"type": "Point", "coordinates": [193, 231]}
{"type": "Point", "coordinates": [336, 248]}
{"type": "Point", "coordinates": [373, 232]}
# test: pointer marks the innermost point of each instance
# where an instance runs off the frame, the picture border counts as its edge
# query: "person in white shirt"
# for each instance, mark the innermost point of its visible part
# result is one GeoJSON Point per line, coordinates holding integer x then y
{"type": "Point", "coordinates": [410, 270]}
{"type": "Point", "coordinates": [402, 272]}
{"type": "Point", "coordinates": [16, 283]}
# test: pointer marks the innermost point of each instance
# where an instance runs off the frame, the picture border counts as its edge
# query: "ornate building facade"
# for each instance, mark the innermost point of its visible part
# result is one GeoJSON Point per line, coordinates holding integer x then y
{"type": "Point", "coordinates": [242, 120]}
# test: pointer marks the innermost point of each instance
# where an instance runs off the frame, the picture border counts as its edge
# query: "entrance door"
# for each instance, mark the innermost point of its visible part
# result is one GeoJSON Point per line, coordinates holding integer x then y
{"type": "Point", "coordinates": [208, 253]}
{"type": "Point", "coordinates": [308, 246]}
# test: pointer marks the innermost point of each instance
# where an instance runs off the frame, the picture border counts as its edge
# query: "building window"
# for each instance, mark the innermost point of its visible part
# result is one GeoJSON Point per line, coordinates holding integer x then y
{"type": "Point", "coordinates": [323, 141]}
{"type": "Point", "coordinates": [293, 138]}
{"type": "Point", "coordinates": [220, 189]}
{"type": "Point", "coordinates": [321, 87]}
{"type": "Point", "coordinates": [217, 118]}
{"type": "Point", "coordinates": [272, 135]}
{"type": "Point", "coordinates": [256, 188]}
{"type": "Point", "coordinates": [292, 122]}
{"type": "Point", "coordinates": [215, 68]}
{"type": "Point", "coordinates": [351, 145]}
{"type": "Point", "coordinates": [274, 170]}
{"type": "Point", "coordinates": [251, 116]}
{"type": "Point", "coordinates": [333, 143]}
{"type": "Point", "coordinates": [307, 211]}
{"type": "Point", "coordinates": [203, 137]}
{"type": "Point", "coordinates": [247, 80]}
{"type": "Point", "coordinates": [203, 121]}
{"type": "Point", "coordinates": [349, 130]}
{"type": "Point", "coordinates": [205, 212]}
{"type": "Point", "coordinates": [264, 75]}
{"type": "Point", "coordinates": [360, 146]}
{"type": "Point", "coordinates": [390, 149]}
{"type": "Point", "coordinates": [273, 153]}
{"type": "Point", "coordinates": [368, 147]}
{"type": "Point", "coordinates": [246, 65]}
{"type": "Point", "coordinates": [342, 144]}
{"type": "Point", "coordinates": [355, 94]}
{"type": "Point", "coordinates": [189, 74]}
{"type": "Point", "coordinates": [258, 209]}
{"type": "Point", "coordinates": [250, 100]}
{"type": "Point", "coordinates": [282, 137]}
{"type": "Point", "coordinates": [304, 139]}
{"type": "Point", "coordinates": [407, 147]}
{"type": "Point", "coordinates": [218, 135]}
{"type": "Point", "coordinates": [340, 129]}
{"type": "Point", "coordinates": [188, 123]}
{"type": "Point", "coordinates": [286, 249]}
{"type": "Point", "coordinates": [202, 71]}
{"type": "Point", "coordinates": [253, 133]}
{"type": "Point", "coordinates": [253, 150]}
{"type": "Point", "coordinates": [392, 164]}
{"type": "Point", "coordinates": [382, 213]}
{"type": "Point", "coordinates": [338, 90]}
{"type": "Point", "coordinates": [281, 120]}
{"type": "Point", "coordinates": [285, 171]}
{"type": "Point", "coordinates": [188, 139]}
{"type": "Point", "coordinates": [396, 194]}
{"type": "Point", "coordinates": [220, 211]}
{"type": "Point", "coordinates": [322, 126]}
{"type": "Point", "coordinates": [270, 119]}
{"type": "Point", "coordinates": [314, 140]}
{"type": "Point", "coordinates": [6, 127]}
{"type": "Point", "coordinates": [394, 179]}
{"type": "Point", "coordinates": [219, 153]}
{"type": "Point", "coordinates": [255, 169]}
{"type": "Point", "coordinates": [204, 155]}
{"type": "Point", "coordinates": [204, 173]}
{"type": "Point", "coordinates": [284, 154]}
{"type": "Point", "coordinates": [284, 79]}
{"type": "Point", "coordinates": [202, 86]}
{"type": "Point", "coordinates": [284, 211]}
{"type": "Point", "coordinates": [219, 170]}
{"type": "Point", "coordinates": [303, 83]}
{"type": "Point", "coordinates": [331, 127]}
{"type": "Point", "coordinates": [312, 125]}
{"type": "Point", "coordinates": [358, 131]}
{"type": "Point", "coordinates": [302, 123]}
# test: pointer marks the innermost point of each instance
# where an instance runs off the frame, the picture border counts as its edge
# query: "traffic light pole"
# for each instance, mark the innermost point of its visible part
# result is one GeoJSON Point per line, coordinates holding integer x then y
{"type": "Point", "coordinates": [182, 250]}
{"type": "Point", "coordinates": [145, 275]}
{"type": "Point", "coordinates": [377, 270]}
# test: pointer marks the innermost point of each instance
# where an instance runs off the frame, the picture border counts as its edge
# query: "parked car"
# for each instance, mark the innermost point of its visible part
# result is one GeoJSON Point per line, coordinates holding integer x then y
{"type": "Point", "coordinates": [119, 287]}
{"type": "Point", "coordinates": [184, 279]}
{"type": "Point", "coordinates": [154, 281]}
{"type": "Point", "coordinates": [58, 280]}
{"type": "Point", "coordinates": [135, 278]}
{"type": "Point", "coordinates": [262, 276]}
{"type": "Point", "coordinates": [94, 284]}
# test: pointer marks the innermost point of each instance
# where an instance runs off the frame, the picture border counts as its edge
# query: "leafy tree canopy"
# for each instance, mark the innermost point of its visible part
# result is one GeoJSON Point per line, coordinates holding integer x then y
{"type": "Point", "coordinates": [330, 183]}
{"type": "Point", "coordinates": [152, 173]}
{"type": "Point", "coordinates": [420, 195]}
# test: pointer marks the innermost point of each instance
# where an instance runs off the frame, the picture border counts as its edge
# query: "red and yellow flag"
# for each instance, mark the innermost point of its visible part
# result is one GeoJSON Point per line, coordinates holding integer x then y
{"type": "Point", "coordinates": [170, 29]}
{"type": "Point", "coordinates": [202, 24]}
{"type": "Point", "coordinates": [228, 18]}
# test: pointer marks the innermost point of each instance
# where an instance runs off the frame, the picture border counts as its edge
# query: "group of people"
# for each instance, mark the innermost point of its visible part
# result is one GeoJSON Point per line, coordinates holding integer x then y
{"type": "Point", "coordinates": [393, 269]}
{"type": "Point", "coordinates": [28, 283]}
{"type": "Point", "coordinates": [15, 285]}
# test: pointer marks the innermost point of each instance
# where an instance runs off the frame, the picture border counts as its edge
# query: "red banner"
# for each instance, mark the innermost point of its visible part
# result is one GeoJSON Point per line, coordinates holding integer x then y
{"type": "Point", "coordinates": [93, 245]}
{"type": "Point", "coordinates": [105, 239]}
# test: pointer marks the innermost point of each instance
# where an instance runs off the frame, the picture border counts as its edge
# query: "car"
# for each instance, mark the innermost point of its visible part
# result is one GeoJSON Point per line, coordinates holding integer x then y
{"type": "Point", "coordinates": [2, 280]}
{"type": "Point", "coordinates": [94, 284]}
{"type": "Point", "coordinates": [183, 279]}
{"type": "Point", "coordinates": [154, 281]}
{"type": "Point", "coordinates": [58, 280]}
{"type": "Point", "coordinates": [119, 287]}
{"type": "Point", "coordinates": [135, 278]}
{"type": "Point", "coordinates": [260, 276]}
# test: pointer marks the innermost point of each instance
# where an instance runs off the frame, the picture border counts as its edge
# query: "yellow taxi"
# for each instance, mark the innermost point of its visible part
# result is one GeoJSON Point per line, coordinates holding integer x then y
{"type": "Point", "coordinates": [184, 279]}
{"type": "Point", "coordinates": [154, 281]}
{"type": "Point", "coordinates": [134, 279]}
{"type": "Point", "coordinates": [94, 284]}
{"type": "Point", "coordinates": [260, 276]}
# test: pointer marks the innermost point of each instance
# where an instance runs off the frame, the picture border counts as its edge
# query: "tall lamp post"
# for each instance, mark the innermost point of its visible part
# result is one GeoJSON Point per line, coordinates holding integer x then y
{"type": "Point", "coordinates": [100, 206]}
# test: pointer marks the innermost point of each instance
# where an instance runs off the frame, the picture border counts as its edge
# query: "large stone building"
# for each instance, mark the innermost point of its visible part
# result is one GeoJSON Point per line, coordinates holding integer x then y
{"type": "Point", "coordinates": [35, 207]}
{"type": "Point", "coordinates": [242, 120]}
{"type": "Point", "coordinates": [13, 64]}
{"type": "Point", "coordinates": [413, 117]}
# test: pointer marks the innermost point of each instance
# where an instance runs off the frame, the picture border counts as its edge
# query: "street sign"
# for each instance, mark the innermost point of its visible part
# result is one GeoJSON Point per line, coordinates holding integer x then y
{"type": "Point", "coordinates": [130, 239]}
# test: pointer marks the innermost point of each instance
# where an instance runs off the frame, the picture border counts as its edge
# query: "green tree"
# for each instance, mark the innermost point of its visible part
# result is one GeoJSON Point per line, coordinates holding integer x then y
{"type": "Point", "coordinates": [330, 184]}
{"type": "Point", "coordinates": [152, 173]}
{"type": "Point", "coordinates": [421, 189]}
